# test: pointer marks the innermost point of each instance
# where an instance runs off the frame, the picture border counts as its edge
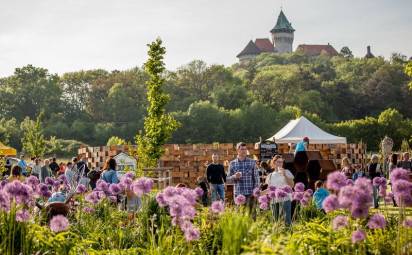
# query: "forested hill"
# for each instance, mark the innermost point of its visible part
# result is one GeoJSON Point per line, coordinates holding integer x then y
{"type": "Point", "coordinates": [362, 99]}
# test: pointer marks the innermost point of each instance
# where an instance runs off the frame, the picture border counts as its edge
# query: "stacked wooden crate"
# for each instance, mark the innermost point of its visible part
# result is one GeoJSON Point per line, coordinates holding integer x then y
{"type": "Point", "coordinates": [189, 161]}
{"type": "Point", "coordinates": [96, 156]}
{"type": "Point", "coordinates": [355, 152]}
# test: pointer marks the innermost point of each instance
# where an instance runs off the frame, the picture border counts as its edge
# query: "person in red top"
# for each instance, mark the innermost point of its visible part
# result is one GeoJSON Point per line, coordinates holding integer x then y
{"type": "Point", "coordinates": [62, 169]}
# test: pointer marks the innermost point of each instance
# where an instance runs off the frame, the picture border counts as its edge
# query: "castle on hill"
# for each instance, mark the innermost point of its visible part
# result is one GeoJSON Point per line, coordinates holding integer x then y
{"type": "Point", "coordinates": [282, 42]}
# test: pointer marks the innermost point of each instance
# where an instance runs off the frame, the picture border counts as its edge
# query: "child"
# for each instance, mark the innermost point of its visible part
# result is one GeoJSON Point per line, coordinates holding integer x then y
{"type": "Point", "coordinates": [204, 185]}
{"type": "Point", "coordinates": [320, 194]}
{"type": "Point", "coordinates": [358, 172]}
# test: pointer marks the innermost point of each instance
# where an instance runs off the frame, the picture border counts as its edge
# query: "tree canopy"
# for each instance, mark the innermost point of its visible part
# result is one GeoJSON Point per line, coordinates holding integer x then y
{"type": "Point", "coordinates": [362, 99]}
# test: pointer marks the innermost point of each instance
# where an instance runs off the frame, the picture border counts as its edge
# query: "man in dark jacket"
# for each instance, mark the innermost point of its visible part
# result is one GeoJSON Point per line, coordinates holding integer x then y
{"type": "Point", "coordinates": [54, 167]}
{"type": "Point", "coordinates": [216, 176]}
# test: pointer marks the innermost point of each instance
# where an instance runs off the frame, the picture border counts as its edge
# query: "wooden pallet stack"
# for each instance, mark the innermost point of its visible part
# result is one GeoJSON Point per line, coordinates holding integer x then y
{"type": "Point", "coordinates": [96, 156]}
{"type": "Point", "coordinates": [189, 161]}
{"type": "Point", "coordinates": [355, 152]}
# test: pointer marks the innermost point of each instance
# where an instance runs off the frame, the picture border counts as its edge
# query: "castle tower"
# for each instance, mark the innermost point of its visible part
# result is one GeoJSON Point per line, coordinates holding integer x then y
{"type": "Point", "coordinates": [282, 34]}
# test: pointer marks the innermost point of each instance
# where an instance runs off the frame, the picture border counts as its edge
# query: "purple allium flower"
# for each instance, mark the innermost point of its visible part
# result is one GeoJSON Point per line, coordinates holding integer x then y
{"type": "Point", "coordinates": [22, 215]}
{"type": "Point", "coordinates": [280, 194]}
{"type": "Point", "coordinates": [199, 192]}
{"type": "Point", "coordinates": [364, 184]}
{"type": "Point", "coordinates": [382, 191]}
{"type": "Point", "coordinates": [115, 189]}
{"type": "Point", "coordinates": [263, 199]}
{"type": "Point", "coordinates": [346, 196]}
{"type": "Point", "coordinates": [307, 195]}
{"type": "Point", "coordinates": [95, 196]}
{"type": "Point", "coordinates": [256, 192]}
{"type": "Point", "coordinates": [62, 178]}
{"type": "Point", "coordinates": [3, 183]}
{"type": "Point", "coordinates": [59, 223]}
{"type": "Point", "coordinates": [304, 202]}
{"type": "Point", "coordinates": [339, 222]}
{"type": "Point", "coordinates": [88, 210]}
{"type": "Point", "coordinates": [287, 189]}
{"type": "Point", "coordinates": [358, 236]}
{"type": "Point", "coordinates": [297, 196]}
{"type": "Point", "coordinates": [240, 200]}
{"type": "Point", "coordinates": [377, 221]}
{"type": "Point", "coordinates": [402, 192]}
{"type": "Point", "coordinates": [272, 188]}
{"type": "Point", "coordinates": [309, 191]}
{"type": "Point", "coordinates": [330, 203]}
{"type": "Point", "coordinates": [401, 186]}
{"type": "Point", "coordinates": [399, 174]}
{"type": "Point", "coordinates": [361, 198]}
{"type": "Point", "coordinates": [169, 192]}
{"type": "Point", "coordinates": [19, 191]}
{"type": "Point", "coordinates": [129, 175]}
{"type": "Point", "coordinates": [218, 206]}
{"type": "Point", "coordinates": [299, 187]}
{"type": "Point", "coordinates": [142, 186]}
{"type": "Point", "coordinates": [349, 182]}
{"type": "Point", "coordinates": [49, 181]}
{"type": "Point", "coordinates": [264, 206]}
{"type": "Point", "coordinates": [336, 181]}
{"type": "Point", "coordinates": [359, 212]}
{"type": "Point", "coordinates": [126, 183]}
{"type": "Point", "coordinates": [379, 181]}
{"type": "Point", "coordinates": [148, 184]}
{"type": "Point", "coordinates": [102, 186]}
{"type": "Point", "coordinates": [403, 199]}
{"type": "Point", "coordinates": [407, 223]}
{"type": "Point", "coordinates": [32, 181]}
{"type": "Point", "coordinates": [112, 199]}
{"type": "Point", "coordinates": [272, 193]}
{"type": "Point", "coordinates": [180, 203]}
{"type": "Point", "coordinates": [190, 195]}
{"type": "Point", "coordinates": [192, 234]}
{"type": "Point", "coordinates": [56, 184]}
{"type": "Point", "coordinates": [81, 189]}
{"type": "Point", "coordinates": [185, 225]}
{"type": "Point", "coordinates": [160, 200]}
{"type": "Point", "coordinates": [4, 201]}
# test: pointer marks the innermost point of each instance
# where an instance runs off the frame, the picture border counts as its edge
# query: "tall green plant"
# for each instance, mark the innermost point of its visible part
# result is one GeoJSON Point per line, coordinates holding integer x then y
{"type": "Point", "coordinates": [158, 125]}
{"type": "Point", "coordinates": [33, 139]}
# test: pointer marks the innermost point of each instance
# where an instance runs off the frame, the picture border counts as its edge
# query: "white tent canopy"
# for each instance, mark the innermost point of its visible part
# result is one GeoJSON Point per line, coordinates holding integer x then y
{"type": "Point", "coordinates": [297, 129]}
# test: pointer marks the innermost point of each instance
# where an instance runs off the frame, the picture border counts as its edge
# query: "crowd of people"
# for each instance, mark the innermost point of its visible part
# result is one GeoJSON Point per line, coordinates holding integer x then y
{"type": "Point", "coordinates": [248, 174]}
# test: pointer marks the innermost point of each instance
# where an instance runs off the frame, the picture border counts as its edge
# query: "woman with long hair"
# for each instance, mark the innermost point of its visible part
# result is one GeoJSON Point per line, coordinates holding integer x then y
{"type": "Point", "coordinates": [280, 178]}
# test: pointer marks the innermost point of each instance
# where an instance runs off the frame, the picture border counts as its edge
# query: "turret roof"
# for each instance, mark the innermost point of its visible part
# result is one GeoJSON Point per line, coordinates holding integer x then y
{"type": "Point", "coordinates": [282, 24]}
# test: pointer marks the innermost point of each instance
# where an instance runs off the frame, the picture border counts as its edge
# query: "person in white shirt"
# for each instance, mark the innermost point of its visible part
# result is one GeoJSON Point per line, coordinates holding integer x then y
{"type": "Point", "coordinates": [36, 169]}
{"type": "Point", "coordinates": [280, 178]}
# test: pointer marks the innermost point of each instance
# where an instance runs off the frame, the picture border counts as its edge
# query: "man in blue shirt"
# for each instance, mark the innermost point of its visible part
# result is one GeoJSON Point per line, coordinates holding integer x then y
{"type": "Point", "coordinates": [303, 145]}
{"type": "Point", "coordinates": [23, 165]}
{"type": "Point", "coordinates": [320, 194]}
{"type": "Point", "coordinates": [244, 174]}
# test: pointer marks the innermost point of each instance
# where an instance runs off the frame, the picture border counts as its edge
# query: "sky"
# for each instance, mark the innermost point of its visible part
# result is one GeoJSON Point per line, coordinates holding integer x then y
{"type": "Point", "coordinates": [72, 35]}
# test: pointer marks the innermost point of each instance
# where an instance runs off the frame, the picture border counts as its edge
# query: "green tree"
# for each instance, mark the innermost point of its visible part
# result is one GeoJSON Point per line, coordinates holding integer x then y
{"type": "Point", "coordinates": [158, 125]}
{"type": "Point", "coordinates": [114, 140]}
{"type": "Point", "coordinates": [28, 92]}
{"type": "Point", "coordinates": [10, 132]}
{"type": "Point", "coordinates": [77, 89]}
{"type": "Point", "coordinates": [33, 140]}
{"type": "Point", "coordinates": [346, 52]}
{"type": "Point", "coordinates": [408, 71]}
